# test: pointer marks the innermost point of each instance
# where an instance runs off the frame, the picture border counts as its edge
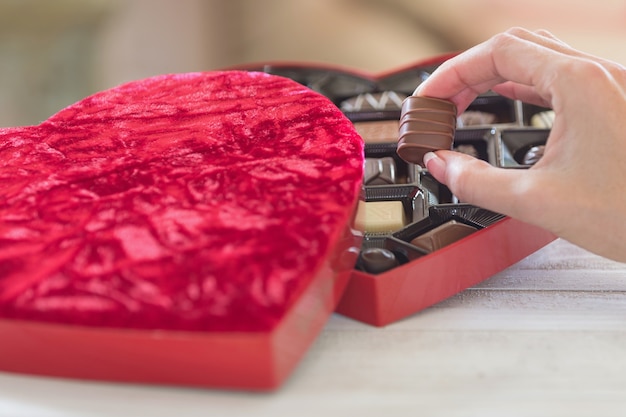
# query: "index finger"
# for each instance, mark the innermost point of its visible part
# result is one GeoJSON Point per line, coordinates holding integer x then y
{"type": "Point", "coordinates": [505, 57]}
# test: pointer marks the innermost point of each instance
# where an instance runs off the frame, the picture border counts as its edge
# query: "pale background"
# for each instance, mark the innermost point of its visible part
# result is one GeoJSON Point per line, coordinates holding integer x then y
{"type": "Point", "coordinates": [53, 53]}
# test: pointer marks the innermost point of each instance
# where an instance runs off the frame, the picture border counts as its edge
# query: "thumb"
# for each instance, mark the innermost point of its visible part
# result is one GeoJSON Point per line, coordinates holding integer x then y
{"type": "Point", "coordinates": [474, 181]}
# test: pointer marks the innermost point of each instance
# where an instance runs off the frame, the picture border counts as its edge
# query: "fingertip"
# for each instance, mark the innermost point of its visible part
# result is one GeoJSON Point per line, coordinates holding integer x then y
{"type": "Point", "coordinates": [417, 90]}
{"type": "Point", "coordinates": [435, 165]}
{"type": "Point", "coordinates": [475, 181]}
{"type": "Point", "coordinates": [429, 156]}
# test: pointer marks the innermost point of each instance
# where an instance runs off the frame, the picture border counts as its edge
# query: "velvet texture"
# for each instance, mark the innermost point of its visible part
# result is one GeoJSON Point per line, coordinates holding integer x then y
{"type": "Point", "coordinates": [200, 202]}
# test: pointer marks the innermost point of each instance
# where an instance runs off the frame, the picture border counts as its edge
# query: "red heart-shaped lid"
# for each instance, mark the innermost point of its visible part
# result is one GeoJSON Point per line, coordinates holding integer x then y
{"type": "Point", "coordinates": [199, 202]}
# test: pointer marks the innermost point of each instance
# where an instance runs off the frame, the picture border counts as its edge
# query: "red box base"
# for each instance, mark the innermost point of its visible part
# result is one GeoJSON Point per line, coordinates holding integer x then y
{"type": "Point", "coordinates": [251, 361]}
{"type": "Point", "coordinates": [384, 298]}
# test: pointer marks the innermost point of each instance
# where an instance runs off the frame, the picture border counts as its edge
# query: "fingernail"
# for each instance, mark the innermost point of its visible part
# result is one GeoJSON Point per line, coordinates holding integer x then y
{"type": "Point", "coordinates": [431, 156]}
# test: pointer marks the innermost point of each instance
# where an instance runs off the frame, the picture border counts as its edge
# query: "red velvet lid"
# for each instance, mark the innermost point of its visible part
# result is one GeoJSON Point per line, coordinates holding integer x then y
{"type": "Point", "coordinates": [203, 202]}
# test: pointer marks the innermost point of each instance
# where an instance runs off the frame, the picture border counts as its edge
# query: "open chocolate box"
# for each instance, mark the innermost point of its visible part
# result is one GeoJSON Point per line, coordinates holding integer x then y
{"type": "Point", "coordinates": [422, 245]}
{"type": "Point", "coordinates": [136, 244]}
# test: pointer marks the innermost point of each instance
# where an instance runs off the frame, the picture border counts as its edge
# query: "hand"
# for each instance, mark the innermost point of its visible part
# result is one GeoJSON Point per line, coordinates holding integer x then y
{"type": "Point", "coordinates": [577, 190]}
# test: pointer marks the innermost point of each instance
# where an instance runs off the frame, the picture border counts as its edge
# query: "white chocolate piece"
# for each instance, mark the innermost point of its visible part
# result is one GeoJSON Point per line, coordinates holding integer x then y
{"type": "Point", "coordinates": [543, 120]}
{"type": "Point", "coordinates": [380, 216]}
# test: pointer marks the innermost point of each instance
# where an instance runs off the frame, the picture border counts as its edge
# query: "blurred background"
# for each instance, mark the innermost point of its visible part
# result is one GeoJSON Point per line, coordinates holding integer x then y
{"type": "Point", "coordinates": [55, 52]}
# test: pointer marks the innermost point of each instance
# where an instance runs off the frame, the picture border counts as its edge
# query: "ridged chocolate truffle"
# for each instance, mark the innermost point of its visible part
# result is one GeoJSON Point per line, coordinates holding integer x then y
{"type": "Point", "coordinates": [426, 124]}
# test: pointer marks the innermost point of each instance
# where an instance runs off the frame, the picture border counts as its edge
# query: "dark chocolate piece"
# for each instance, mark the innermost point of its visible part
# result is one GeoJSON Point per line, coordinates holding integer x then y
{"type": "Point", "coordinates": [380, 171]}
{"type": "Point", "coordinates": [426, 124]}
{"type": "Point", "coordinates": [443, 235]}
{"type": "Point", "coordinates": [377, 260]}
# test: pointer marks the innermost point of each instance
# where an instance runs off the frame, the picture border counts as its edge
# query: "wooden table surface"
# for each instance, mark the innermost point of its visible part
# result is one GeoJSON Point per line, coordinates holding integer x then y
{"type": "Point", "coordinates": [546, 337]}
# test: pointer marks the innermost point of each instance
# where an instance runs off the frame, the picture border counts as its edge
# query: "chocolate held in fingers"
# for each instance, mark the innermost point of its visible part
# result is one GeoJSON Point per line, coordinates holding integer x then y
{"type": "Point", "coordinates": [426, 124]}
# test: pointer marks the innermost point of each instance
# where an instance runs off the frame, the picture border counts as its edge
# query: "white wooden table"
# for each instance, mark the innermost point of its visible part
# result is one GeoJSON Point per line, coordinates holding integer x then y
{"type": "Point", "coordinates": [546, 337]}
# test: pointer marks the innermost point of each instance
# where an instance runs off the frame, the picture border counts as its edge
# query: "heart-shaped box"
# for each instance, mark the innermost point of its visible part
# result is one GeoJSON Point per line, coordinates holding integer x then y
{"type": "Point", "coordinates": [192, 229]}
{"type": "Point", "coordinates": [262, 357]}
{"type": "Point", "coordinates": [489, 128]}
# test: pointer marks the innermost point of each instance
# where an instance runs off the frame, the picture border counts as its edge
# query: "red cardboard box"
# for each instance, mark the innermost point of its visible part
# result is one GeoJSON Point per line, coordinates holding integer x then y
{"type": "Point", "coordinates": [231, 360]}
{"type": "Point", "coordinates": [381, 299]}
{"type": "Point", "coordinates": [263, 359]}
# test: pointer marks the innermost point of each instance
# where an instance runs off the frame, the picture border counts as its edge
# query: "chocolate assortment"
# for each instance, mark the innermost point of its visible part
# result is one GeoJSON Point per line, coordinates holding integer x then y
{"type": "Point", "coordinates": [493, 128]}
{"type": "Point", "coordinates": [421, 244]}
{"type": "Point", "coordinates": [510, 144]}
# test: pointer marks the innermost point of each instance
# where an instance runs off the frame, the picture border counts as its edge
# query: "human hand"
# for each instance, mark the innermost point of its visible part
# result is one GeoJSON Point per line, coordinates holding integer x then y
{"type": "Point", "coordinates": [577, 190]}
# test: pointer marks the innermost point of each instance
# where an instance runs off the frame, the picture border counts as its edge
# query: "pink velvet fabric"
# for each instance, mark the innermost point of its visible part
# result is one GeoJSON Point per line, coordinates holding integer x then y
{"type": "Point", "coordinates": [201, 202]}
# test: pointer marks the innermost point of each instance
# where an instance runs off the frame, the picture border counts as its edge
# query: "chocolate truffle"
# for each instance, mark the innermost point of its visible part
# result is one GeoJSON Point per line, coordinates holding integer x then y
{"type": "Point", "coordinates": [426, 124]}
{"type": "Point", "coordinates": [377, 260]}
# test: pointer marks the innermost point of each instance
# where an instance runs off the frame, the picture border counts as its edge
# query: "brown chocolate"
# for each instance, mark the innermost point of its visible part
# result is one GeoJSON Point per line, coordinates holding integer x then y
{"type": "Point", "coordinates": [377, 260]}
{"type": "Point", "coordinates": [443, 235]}
{"type": "Point", "coordinates": [380, 131]}
{"type": "Point", "coordinates": [426, 124]}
